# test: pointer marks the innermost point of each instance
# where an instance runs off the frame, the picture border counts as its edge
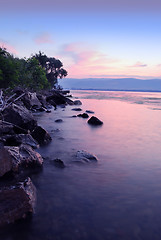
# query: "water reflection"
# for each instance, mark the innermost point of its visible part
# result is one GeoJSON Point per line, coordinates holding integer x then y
{"type": "Point", "coordinates": [117, 198]}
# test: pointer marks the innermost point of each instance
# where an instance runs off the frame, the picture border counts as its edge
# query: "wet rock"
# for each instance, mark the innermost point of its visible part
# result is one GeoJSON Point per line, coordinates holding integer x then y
{"type": "Point", "coordinates": [89, 111]}
{"type": "Point", "coordinates": [76, 109]}
{"type": "Point", "coordinates": [85, 157]}
{"type": "Point", "coordinates": [18, 139]}
{"type": "Point", "coordinates": [17, 201]}
{"type": "Point", "coordinates": [58, 120]}
{"type": "Point", "coordinates": [20, 116]}
{"type": "Point", "coordinates": [41, 135]}
{"type": "Point", "coordinates": [84, 115]}
{"type": "Point", "coordinates": [77, 102]}
{"type": "Point", "coordinates": [48, 111]}
{"type": "Point", "coordinates": [22, 157]}
{"type": "Point", "coordinates": [94, 121]}
{"type": "Point", "coordinates": [58, 163]}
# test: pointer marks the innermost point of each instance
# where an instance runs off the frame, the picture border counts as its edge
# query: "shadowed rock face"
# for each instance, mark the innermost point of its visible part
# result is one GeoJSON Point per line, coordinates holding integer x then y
{"type": "Point", "coordinates": [5, 162]}
{"type": "Point", "coordinates": [41, 135]}
{"type": "Point", "coordinates": [19, 116]}
{"type": "Point", "coordinates": [18, 139]}
{"type": "Point", "coordinates": [17, 201]}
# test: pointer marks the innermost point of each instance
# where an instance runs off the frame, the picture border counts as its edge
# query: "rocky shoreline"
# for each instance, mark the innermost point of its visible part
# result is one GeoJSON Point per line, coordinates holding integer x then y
{"type": "Point", "coordinates": [20, 136]}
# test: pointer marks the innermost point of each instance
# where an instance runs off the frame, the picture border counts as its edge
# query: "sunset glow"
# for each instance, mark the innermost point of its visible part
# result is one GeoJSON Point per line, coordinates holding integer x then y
{"type": "Point", "coordinates": [105, 39]}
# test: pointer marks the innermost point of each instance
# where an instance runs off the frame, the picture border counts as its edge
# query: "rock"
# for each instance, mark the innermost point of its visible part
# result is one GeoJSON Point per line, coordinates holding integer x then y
{"type": "Point", "coordinates": [31, 101]}
{"type": "Point", "coordinates": [89, 111]}
{"type": "Point", "coordinates": [42, 100]}
{"type": "Point", "coordinates": [84, 115]}
{"type": "Point", "coordinates": [7, 128]}
{"type": "Point", "coordinates": [77, 102]}
{"type": "Point", "coordinates": [18, 139]}
{"type": "Point", "coordinates": [84, 156]}
{"type": "Point", "coordinates": [58, 163]}
{"type": "Point", "coordinates": [77, 109]}
{"type": "Point", "coordinates": [58, 120]}
{"type": "Point", "coordinates": [48, 111]}
{"type": "Point", "coordinates": [94, 121]}
{"type": "Point", "coordinates": [20, 116]}
{"type": "Point", "coordinates": [22, 157]}
{"type": "Point", "coordinates": [17, 201]}
{"type": "Point", "coordinates": [41, 135]}
{"type": "Point", "coordinates": [5, 162]}
{"type": "Point", "coordinates": [58, 99]}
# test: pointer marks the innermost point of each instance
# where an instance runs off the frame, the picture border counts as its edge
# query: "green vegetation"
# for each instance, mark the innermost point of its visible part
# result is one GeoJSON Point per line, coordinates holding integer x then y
{"type": "Point", "coordinates": [38, 72]}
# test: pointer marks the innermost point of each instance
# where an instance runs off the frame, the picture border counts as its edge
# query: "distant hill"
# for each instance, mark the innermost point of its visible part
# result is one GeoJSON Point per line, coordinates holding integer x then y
{"type": "Point", "coordinates": [132, 84]}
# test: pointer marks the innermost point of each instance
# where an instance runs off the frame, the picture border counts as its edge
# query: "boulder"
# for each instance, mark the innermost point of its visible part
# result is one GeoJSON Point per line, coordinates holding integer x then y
{"type": "Point", "coordinates": [42, 100]}
{"type": "Point", "coordinates": [76, 109]}
{"type": "Point", "coordinates": [58, 99]}
{"type": "Point", "coordinates": [18, 139]}
{"type": "Point", "coordinates": [20, 116]}
{"type": "Point", "coordinates": [41, 135]}
{"type": "Point", "coordinates": [5, 162]}
{"type": "Point", "coordinates": [7, 128]}
{"type": "Point", "coordinates": [83, 115]}
{"type": "Point", "coordinates": [94, 121]}
{"type": "Point", "coordinates": [77, 102]}
{"type": "Point", "coordinates": [85, 157]}
{"type": "Point", "coordinates": [31, 101]}
{"type": "Point", "coordinates": [15, 158]}
{"type": "Point", "coordinates": [17, 201]}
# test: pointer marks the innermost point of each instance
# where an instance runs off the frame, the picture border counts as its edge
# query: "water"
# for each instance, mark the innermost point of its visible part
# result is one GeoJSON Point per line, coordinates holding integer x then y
{"type": "Point", "coordinates": [117, 198]}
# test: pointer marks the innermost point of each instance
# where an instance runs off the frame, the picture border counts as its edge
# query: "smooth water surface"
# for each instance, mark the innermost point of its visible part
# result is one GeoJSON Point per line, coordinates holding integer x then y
{"type": "Point", "coordinates": [117, 198]}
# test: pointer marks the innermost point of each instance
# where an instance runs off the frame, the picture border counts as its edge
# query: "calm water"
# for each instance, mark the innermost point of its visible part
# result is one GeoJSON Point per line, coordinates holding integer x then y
{"type": "Point", "coordinates": [117, 198]}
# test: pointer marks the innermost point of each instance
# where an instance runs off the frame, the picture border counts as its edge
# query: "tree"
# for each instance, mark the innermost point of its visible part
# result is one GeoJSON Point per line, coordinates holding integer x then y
{"type": "Point", "coordinates": [52, 66]}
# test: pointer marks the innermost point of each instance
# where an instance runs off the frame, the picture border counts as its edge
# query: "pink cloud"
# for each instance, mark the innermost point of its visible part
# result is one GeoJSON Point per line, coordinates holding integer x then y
{"type": "Point", "coordinates": [8, 47]}
{"type": "Point", "coordinates": [139, 65]}
{"type": "Point", "coordinates": [84, 60]}
{"type": "Point", "coordinates": [43, 38]}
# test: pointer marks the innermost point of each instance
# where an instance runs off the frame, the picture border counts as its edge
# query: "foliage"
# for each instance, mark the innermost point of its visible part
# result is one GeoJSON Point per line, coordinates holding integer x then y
{"type": "Point", "coordinates": [38, 72]}
{"type": "Point", "coordinates": [52, 67]}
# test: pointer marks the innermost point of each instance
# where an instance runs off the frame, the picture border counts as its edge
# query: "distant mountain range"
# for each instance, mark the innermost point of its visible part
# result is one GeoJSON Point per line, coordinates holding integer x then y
{"type": "Point", "coordinates": [120, 84]}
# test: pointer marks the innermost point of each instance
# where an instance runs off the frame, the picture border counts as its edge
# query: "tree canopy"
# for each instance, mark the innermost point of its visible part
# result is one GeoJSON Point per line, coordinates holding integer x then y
{"type": "Point", "coordinates": [37, 72]}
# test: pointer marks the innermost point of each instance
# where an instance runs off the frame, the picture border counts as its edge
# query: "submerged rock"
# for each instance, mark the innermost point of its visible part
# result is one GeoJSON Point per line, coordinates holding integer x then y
{"type": "Point", "coordinates": [94, 121]}
{"type": "Point", "coordinates": [41, 135]}
{"type": "Point", "coordinates": [17, 201]}
{"type": "Point", "coordinates": [83, 115]}
{"type": "Point", "coordinates": [85, 157]}
{"type": "Point", "coordinates": [58, 163]}
{"type": "Point", "coordinates": [77, 102]}
{"type": "Point", "coordinates": [77, 109]}
{"type": "Point", "coordinates": [89, 111]}
{"type": "Point", "coordinates": [58, 120]}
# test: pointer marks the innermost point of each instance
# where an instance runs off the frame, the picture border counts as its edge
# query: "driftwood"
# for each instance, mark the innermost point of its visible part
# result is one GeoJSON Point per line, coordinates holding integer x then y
{"type": "Point", "coordinates": [5, 103]}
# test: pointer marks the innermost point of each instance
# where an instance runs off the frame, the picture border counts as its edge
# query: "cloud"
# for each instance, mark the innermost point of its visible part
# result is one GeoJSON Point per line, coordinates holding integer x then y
{"type": "Point", "coordinates": [43, 38]}
{"type": "Point", "coordinates": [83, 60]}
{"type": "Point", "coordinates": [8, 47]}
{"type": "Point", "coordinates": [139, 65]}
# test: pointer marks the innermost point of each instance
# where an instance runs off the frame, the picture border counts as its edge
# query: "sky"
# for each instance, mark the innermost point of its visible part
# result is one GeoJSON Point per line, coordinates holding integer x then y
{"type": "Point", "coordinates": [92, 38]}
